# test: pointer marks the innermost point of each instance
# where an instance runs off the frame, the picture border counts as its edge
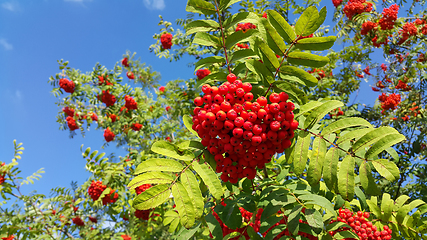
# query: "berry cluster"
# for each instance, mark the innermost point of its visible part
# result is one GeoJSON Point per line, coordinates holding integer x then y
{"type": "Point", "coordinates": [383, 67]}
{"type": "Point", "coordinates": [2, 176]}
{"type": "Point", "coordinates": [354, 7]}
{"type": "Point", "coordinates": [361, 226]}
{"type": "Point", "coordinates": [202, 73]}
{"type": "Point", "coordinates": [242, 45]}
{"type": "Point", "coordinates": [136, 127]}
{"type": "Point", "coordinates": [403, 86]}
{"type": "Point", "coordinates": [109, 135]}
{"type": "Point", "coordinates": [389, 17]}
{"type": "Point", "coordinates": [389, 101]}
{"type": "Point", "coordinates": [166, 40]}
{"type": "Point", "coordinates": [130, 75]}
{"type": "Point", "coordinates": [408, 29]}
{"type": "Point", "coordinates": [125, 62]}
{"type": "Point", "coordinates": [67, 85]}
{"type": "Point", "coordinates": [377, 43]}
{"type": "Point", "coordinates": [130, 103]}
{"type": "Point", "coordinates": [142, 188]}
{"type": "Point", "coordinates": [102, 80]}
{"type": "Point", "coordinates": [162, 89]}
{"type": "Point", "coordinates": [336, 112]}
{"type": "Point", "coordinates": [72, 125]}
{"type": "Point", "coordinates": [248, 132]}
{"type": "Point", "coordinates": [320, 73]}
{"type": "Point", "coordinates": [336, 2]}
{"type": "Point", "coordinates": [95, 190]}
{"type": "Point", "coordinates": [78, 221]}
{"type": "Point", "coordinates": [366, 70]}
{"type": "Point", "coordinates": [93, 219]}
{"type": "Point", "coordinates": [113, 117]}
{"type": "Point", "coordinates": [108, 98]}
{"type": "Point", "coordinates": [126, 237]}
{"type": "Point", "coordinates": [245, 27]}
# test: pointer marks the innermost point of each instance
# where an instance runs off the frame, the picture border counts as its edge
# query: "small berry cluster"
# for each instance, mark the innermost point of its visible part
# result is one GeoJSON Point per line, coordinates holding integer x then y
{"type": "Point", "coordinates": [136, 127]}
{"type": "Point", "coordinates": [389, 101]}
{"type": "Point", "coordinates": [242, 45]}
{"type": "Point", "coordinates": [142, 214]}
{"type": "Point", "coordinates": [78, 221]}
{"type": "Point", "coordinates": [403, 86]}
{"type": "Point", "coordinates": [336, 2]}
{"type": "Point", "coordinates": [248, 132]}
{"type": "Point", "coordinates": [320, 73]}
{"type": "Point", "coordinates": [126, 237]}
{"type": "Point", "coordinates": [113, 117]}
{"type": "Point", "coordinates": [2, 176]}
{"type": "Point", "coordinates": [93, 219]}
{"type": "Point", "coordinates": [202, 73]}
{"type": "Point", "coordinates": [130, 103]}
{"type": "Point", "coordinates": [130, 75]}
{"type": "Point", "coordinates": [245, 27]}
{"type": "Point", "coordinates": [108, 98]}
{"type": "Point", "coordinates": [109, 135]}
{"type": "Point", "coordinates": [361, 226]}
{"type": "Point", "coordinates": [67, 85]}
{"type": "Point", "coordinates": [408, 29]}
{"type": "Point", "coordinates": [95, 190]}
{"type": "Point", "coordinates": [354, 7]}
{"type": "Point", "coordinates": [366, 70]}
{"type": "Point", "coordinates": [166, 40]}
{"type": "Point", "coordinates": [383, 67]}
{"type": "Point", "coordinates": [104, 80]}
{"type": "Point", "coordinates": [336, 112]}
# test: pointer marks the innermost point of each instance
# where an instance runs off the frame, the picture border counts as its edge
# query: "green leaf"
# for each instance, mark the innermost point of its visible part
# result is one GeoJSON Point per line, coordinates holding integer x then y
{"type": "Point", "coordinates": [214, 226]}
{"type": "Point", "coordinates": [260, 69]}
{"type": "Point", "coordinates": [86, 153]}
{"type": "Point", "coordinates": [314, 218]}
{"type": "Point", "coordinates": [210, 178]}
{"type": "Point", "coordinates": [308, 79]}
{"type": "Point", "coordinates": [322, 17]}
{"type": "Point", "coordinates": [294, 92]}
{"type": "Point", "coordinates": [93, 154]}
{"type": "Point", "coordinates": [192, 145]}
{"type": "Point", "coordinates": [307, 22]}
{"type": "Point", "coordinates": [206, 39]}
{"type": "Point", "coordinates": [201, 26]}
{"type": "Point", "coordinates": [99, 157]}
{"type": "Point", "coordinates": [266, 54]}
{"type": "Point", "coordinates": [383, 144]}
{"type": "Point", "coordinates": [170, 150]}
{"type": "Point", "coordinates": [157, 165]}
{"type": "Point", "coordinates": [387, 169]}
{"type": "Point", "coordinates": [330, 168]}
{"type": "Point", "coordinates": [150, 178]}
{"type": "Point", "coordinates": [362, 198]}
{"type": "Point", "coordinates": [318, 201]}
{"type": "Point", "coordinates": [200, 6]}
{"type": "Point", "coordinates": [386, 207]}
{"type": "Point", "coordinates": [405, 209]}
{"type": "Point", "coordinates": [231, 216]}
{"type": "Point", "coordinates": [393, 153]}
{"type": "Point", "coordinates": [316, 43]}
{"type": "Point", "coordinates": [301, 152]}
{"type": "Point", "coordinates": [366, 179]}
{"type": "Point", "coordinates": [274, 40]}
{"type": "Point", "coordinates": [320, 112]}
{"type": "Point", "coordinates": [308, 107]}
{"type": "Point", "coordinates": [224, 4]}
{"type": "Point", "coordinates": [293, 219]}
{"type": "Point", "coordinates": [212, 79]}
{"type": "Point", "coordinates": [317, 158]}
{"type": "Point", "coordinates": [282, 27]}
{"type": "Point", "coordinates": [152, 197]}
{"type": "Point", "coordinates": [346, 178]}
{"type": "Point", "coordinates": [355, 134]}
{"type": "Point", "coordinates": [242, 54]}
{"type": "Point", "coordinates": [238, 37]}
{"type": "Point", "coordinates": [209, 61]}
{"type": "Point", "coordinates": [372, 137]}
{"type": "Point", "coordinates": [240, 17]}
{"type": "Point", "coordinates": [171, 217]}
{"type": "Point", "coordinates": [307, 59]}
{"type": "Point", "coordinates": [188, 122]}
{"type": "Point", "coordinates": [400, 201]}
{"type": "Point", "coordinates": [184, 205]}
{"type": "Point", "coordinates": [345, 235]}
{"type": "Point", "coordinates": [345, 123]}
{"type": "Point", "coordinates": [252, 234]}
{"type": "Point", "coordinates": [373, 206]}
{"type": "Point", "coordinates": [192, 186]}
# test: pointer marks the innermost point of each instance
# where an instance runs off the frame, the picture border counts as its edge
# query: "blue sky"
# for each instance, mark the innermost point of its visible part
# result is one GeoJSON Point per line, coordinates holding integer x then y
{"type": "Point", "coordinates": [34, 35]}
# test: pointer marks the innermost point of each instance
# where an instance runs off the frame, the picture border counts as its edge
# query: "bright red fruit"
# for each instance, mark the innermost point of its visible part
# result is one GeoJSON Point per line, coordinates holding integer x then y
{"type": "Point", "coordinates": [166, 40]}
{"type": "Point", "coordinates": [125, 62]}
{"type": "Point", "coordinates": [202, 73]}
{"type": "Point", "coordinates": [67, 85]}
{"type": "Point", "coordinates": [109, 135]}
{"type": "Point", "coordinates": [78, 221]}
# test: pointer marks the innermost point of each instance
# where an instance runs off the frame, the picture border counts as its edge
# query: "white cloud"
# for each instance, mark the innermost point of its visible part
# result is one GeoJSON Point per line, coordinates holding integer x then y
{"type": "Point", "coordinates": [5, 44]}
{"type": "Point", "coordinates": [18, 95]}
{"type": "Point", "coordinates": [10, 6]}
{"type": "Point", "coordinates": [154, 4]}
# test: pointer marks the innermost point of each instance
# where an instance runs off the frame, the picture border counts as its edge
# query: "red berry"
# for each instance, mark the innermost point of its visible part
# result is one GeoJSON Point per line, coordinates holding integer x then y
{"type": "Point", "coordinates": [274, 98]}
{"type": "Point", "coordinates": [231, 77]}
{"type": "Point", "coordinates": [262, 101]}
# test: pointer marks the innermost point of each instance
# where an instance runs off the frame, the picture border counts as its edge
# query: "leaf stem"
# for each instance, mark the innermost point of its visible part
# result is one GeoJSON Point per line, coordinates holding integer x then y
{"type": "Point", "coordinates": [222, 35]}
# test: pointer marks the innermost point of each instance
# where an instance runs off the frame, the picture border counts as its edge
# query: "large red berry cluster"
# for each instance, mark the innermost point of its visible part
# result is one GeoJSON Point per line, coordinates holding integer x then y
{"type": "Point", "coordinates": [113, 117]}
{"type": "Point", "coordinates": [389, 101]}
{"type": "Point", "coordinates": [142, 188]}
{"type": "Point", "coordinates": [125, 62]}
{"type": "Point", "coordinates": [336, 2]}
{"type": "Point", "coordinates": [245, 27]}
{"type": "Point", "coordinates": [408, 29]}
{"type": "Point", "coordinates": [130, 103]}
{"type": "Point", "coordinates": [202, 73]}
{"type": "Point", "coordinates": [126, 237]}
{"type": "Point", "coordinates": [136, 126]}
{"type": "Point", "coordinates": [109, 135]}
{"type": "Point", "coordinates": [67, 85]}
{"type": "Point", "coordinates": [389, 17]}
{"type": "Point", "coordinates": [95, 190]}
{"type": "Point", "coordinates": [72, 125]}
{"type": "Point", "coordinates": [377, 43]}
{"type": "Point", "coordinates": [68, 111]}
{"type": "Point", "coordinates": [361, 226]}
{"type": "Point", "coordinates": [367, 27]}
{"type": "Point", "coordinates": [354, 7]}
{"type": "Point", "coordinates": [166, 40]}
{"type": "Point", "coordinates": [403, 86]}
{"type": "Point", "coordinates": [248, 132]}
{"type": "Point", "coordinates": [78, 221]}
{"type": "Point", "coordinates": [108, 98]}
